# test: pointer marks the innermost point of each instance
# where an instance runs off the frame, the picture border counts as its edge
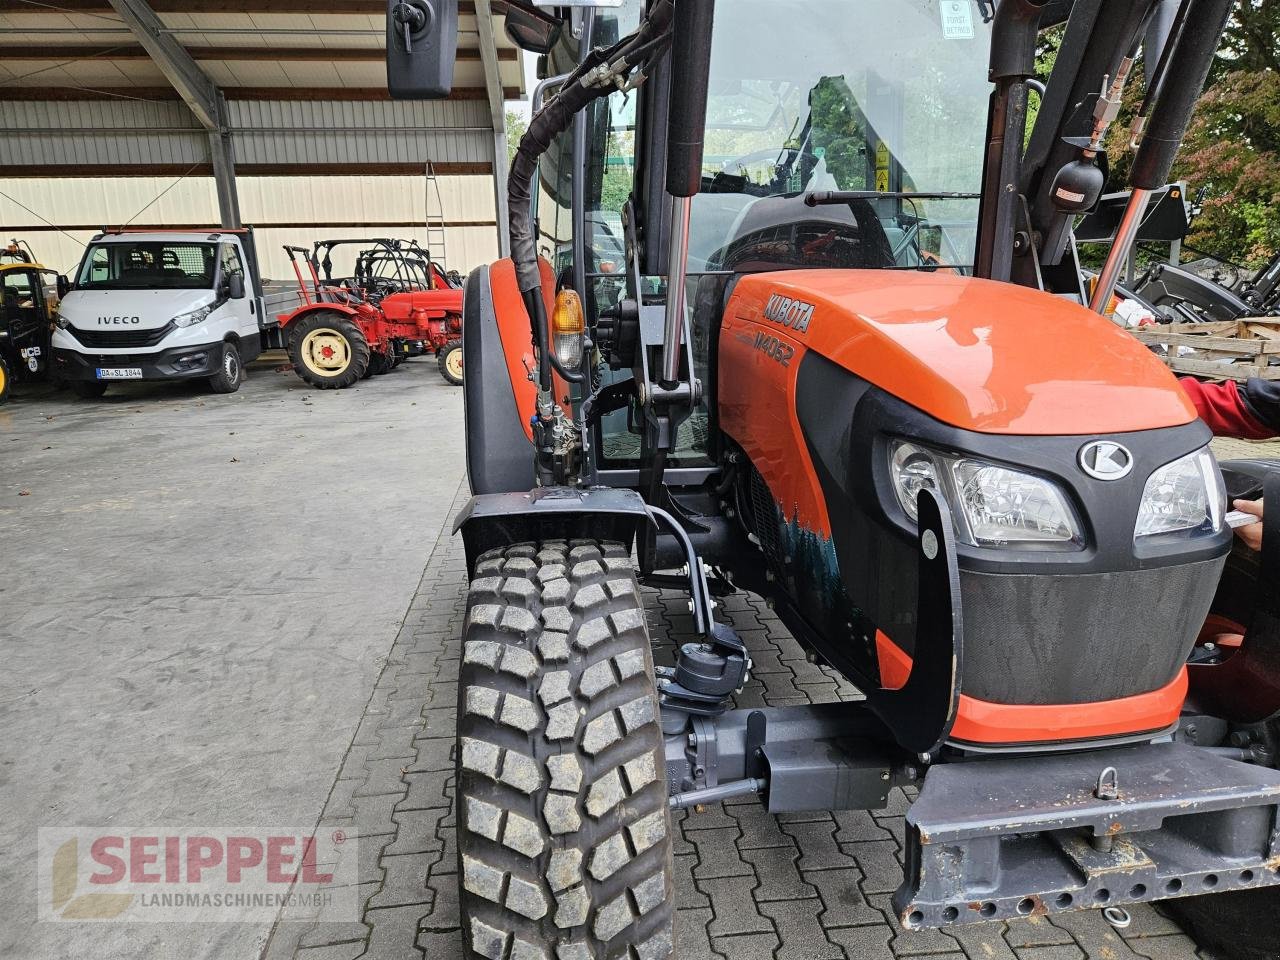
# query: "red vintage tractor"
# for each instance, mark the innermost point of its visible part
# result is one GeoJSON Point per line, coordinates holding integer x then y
{"type": "Point", "coordinates": [395, 302]}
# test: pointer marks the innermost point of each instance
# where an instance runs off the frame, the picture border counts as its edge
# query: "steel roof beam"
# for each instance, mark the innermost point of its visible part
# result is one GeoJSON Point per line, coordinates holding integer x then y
{"type": "Point", "coordinates": [309, 94]}
{"type": "Point", "coordinates": [497, 116]}
{"type": "Point", "coordinates": [178, 66]}
{"type": "Point", "coordinates": [368, 7]}
{"type": "Point", "coordinates": [115, 51]}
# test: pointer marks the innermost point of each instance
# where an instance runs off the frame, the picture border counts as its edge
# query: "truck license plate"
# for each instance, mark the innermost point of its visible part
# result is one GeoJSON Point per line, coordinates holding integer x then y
{"type": "Point", "coordinates": [119, 373]}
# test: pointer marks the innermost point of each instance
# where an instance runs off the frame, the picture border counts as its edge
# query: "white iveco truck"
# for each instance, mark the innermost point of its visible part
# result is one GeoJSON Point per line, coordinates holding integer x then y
{"type": "Point", "coordinates": [161, 306]}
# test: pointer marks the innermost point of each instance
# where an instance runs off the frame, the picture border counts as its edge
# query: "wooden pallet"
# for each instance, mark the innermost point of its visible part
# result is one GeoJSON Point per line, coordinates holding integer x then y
{"type": "Point", "coordinates": [1250, 344]}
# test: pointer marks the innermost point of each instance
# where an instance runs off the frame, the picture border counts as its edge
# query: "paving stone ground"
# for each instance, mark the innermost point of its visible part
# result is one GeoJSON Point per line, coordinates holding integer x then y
{"type": "Point", "coordinates": [809, 886]}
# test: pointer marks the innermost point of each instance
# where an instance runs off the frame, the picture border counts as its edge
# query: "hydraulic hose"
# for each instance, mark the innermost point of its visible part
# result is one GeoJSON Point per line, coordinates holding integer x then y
{"type": "Point", "coordinates": [600, 73]}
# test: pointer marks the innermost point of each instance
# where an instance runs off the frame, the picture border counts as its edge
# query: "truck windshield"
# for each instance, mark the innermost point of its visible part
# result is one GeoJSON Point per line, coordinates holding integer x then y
{"type": "Point", "coordinates": [148, 264]}
{"type": "Point", "coordinates": [821, 95]}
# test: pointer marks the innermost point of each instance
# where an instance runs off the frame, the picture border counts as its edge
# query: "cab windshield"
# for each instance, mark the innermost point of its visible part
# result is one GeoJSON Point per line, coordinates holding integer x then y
{"type": "Point", "coordinates": [886, 96]}
{"type": "Point", "coordinates": [148, 264]}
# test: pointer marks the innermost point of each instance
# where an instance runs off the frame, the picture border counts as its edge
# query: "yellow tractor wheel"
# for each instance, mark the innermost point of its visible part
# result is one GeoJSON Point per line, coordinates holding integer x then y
{"type": "Point", "coordinates": [328, 350]}
{"type": "Point", "coordinates": [450, 360]}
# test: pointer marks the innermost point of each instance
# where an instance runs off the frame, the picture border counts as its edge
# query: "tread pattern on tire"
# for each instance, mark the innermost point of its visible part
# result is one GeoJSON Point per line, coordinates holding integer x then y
{"type": "Point", "coordinates": [217, 383]}
{"type": "Point", "coordinates": [360, 353]}
{"type": "Point", "coordinates": [442, 356]}
{"type": "Point", "coordinates": [563, 828]}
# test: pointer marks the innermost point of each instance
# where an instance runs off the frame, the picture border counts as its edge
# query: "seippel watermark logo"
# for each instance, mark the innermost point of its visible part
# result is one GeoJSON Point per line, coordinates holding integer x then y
{"type": "Point", "coordinates": [158, 875]}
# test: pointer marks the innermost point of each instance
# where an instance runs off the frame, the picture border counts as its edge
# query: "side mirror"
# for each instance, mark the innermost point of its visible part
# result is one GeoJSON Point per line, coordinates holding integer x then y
{"type": "Point", "coordinates": [422, 42]}
{"type": "Point", "coordinates": [64, 285]}
{"type": "Point", "coordinates": [235, 286]}
{"type": "Point", "coordinates": [531, 30]}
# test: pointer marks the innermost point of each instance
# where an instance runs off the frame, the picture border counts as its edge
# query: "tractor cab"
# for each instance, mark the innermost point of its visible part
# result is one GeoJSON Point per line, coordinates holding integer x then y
{"type": "Point", "coordinates": [796, 111]}
{"type": "Point", "coordinates": [29, 297]}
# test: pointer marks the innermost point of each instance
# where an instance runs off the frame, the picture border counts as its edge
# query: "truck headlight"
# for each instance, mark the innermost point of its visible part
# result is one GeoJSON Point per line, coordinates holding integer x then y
{"type": "Point", "coordinates": [198, 315]}
{"type": "Point", "coordinates": [60, 321]}
{"type": "Point", "coordinates": [991, 505]}
{"type": "Point", "coordinates": [1186, 495]}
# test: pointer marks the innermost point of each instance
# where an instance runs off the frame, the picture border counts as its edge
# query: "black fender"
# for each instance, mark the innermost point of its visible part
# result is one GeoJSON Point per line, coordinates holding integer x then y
{"type": "Point", "coordinates": [549, 513]}
{"type": "Point", "coordinates": [499, 454]}
{"type": "Point", "coordinates": [1167, 286]}
{"type": "Point", "coordinates": [1244, 478]}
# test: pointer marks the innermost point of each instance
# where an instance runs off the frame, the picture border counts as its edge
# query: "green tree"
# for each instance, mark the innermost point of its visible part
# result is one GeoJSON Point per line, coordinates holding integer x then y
{"type": "Point", "coordinates": [1232, 146]}
{"type": "Point", "coordinates": [516, 126]}
{"type": "Point", "coordinates": [1046, 56]}
{"type": "Point", "coordinates": [839, 130]}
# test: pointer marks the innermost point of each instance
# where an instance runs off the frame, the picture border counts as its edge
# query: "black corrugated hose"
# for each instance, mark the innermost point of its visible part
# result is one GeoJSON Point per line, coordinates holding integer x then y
{"type": "Point", "coordinates": [585, 84]}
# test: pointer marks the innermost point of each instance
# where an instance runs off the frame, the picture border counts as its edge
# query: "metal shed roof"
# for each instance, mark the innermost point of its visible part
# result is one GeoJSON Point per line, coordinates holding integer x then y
{"type": "Point", "coordinates": [254, 49]}
{"type": "Point", "coordinates": [302, 89]}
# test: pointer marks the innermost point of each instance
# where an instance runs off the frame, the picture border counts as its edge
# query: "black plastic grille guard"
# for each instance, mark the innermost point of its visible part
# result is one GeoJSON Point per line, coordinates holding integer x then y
{"type": "Point", "coordinates": [1003, 838]}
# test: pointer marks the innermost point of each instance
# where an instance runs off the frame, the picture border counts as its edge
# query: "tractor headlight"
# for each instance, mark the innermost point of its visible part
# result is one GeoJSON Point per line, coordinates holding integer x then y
{"type": "Point", "coordinates": [1005, 506]}
{"type": "Point", "coordinates": [198, 315]}
{"type": "Point", "coordinates": [913, 469]}
{"type": "Point", "coordinates": [991, 505]}
{"type": "Point", "coordinates": [1186, 495]}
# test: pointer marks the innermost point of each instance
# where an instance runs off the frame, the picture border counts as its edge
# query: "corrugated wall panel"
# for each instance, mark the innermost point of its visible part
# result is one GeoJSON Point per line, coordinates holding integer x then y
{"type": "Point", "coordinates": [312, 204]}
{"type": "Point", "coordinates": [360, 132]}
{"type": "Point", "coordinates": [376, 199]}
{"type": "Point", "coordinates": [356, 133]}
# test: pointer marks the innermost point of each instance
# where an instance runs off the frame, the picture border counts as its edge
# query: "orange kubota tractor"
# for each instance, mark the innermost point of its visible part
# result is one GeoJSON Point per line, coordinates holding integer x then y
{"type": "Point", "coordinates": [851, 369]}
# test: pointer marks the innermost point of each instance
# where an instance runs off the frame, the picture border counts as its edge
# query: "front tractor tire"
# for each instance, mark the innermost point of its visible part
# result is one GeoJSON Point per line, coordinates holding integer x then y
{"type": "Point", "coordinates": [328, 350]}
{"type": "Point", "coordinates": [564, 836]}
{"type": "Point", "coordinates": [449, 357]}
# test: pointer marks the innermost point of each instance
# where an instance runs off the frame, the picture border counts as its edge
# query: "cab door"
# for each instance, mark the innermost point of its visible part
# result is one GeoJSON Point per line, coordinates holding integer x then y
{"type": "Point", "coordinates": [26, 316]}
{"type": "Point", "coordinates": [232, 265]}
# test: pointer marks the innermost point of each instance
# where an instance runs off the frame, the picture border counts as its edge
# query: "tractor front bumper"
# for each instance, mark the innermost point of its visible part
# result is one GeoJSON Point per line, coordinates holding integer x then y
{"type": "Point", "coordinates": [1003, 836]}
{"type": "Point", "coordinates": [995, 839]}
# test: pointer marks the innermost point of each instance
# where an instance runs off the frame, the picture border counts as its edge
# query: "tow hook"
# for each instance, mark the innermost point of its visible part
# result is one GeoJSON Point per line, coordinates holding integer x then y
{"type": "Point", "coordinates": [1118, 917]}
{"type": "Point", "coordinates": [1108, 788]}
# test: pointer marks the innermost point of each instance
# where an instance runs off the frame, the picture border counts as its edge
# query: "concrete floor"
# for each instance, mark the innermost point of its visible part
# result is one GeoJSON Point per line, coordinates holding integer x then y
{"type": "Point", "coordinates": [195, 597]}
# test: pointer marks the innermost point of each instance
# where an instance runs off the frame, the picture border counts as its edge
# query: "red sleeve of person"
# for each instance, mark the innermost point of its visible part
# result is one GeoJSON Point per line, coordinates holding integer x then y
{"type": "Point", "coordinates": [1251, 412]}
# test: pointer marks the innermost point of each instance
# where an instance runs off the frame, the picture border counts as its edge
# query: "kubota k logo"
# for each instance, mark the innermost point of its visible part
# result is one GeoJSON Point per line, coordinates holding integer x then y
{"type": "Point", "coordinates": [85, 906]}
{"type": "Point", "coordinates": [1105, 460]}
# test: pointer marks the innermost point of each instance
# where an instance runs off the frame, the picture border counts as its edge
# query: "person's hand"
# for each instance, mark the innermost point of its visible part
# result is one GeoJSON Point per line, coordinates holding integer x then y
{"type": "Point", "coordinates": [1251, 533]}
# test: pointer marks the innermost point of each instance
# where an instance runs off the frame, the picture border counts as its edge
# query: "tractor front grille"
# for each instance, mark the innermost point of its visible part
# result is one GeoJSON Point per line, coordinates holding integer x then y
{"type": "Point", "coordinates": [765, 520]}
{"type": "Point", "coordinates": [122, 338]}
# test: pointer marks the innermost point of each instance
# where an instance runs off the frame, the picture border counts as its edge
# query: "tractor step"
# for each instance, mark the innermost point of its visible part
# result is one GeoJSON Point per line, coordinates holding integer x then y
{"type": "Point", "coordinates": [1011, 837]}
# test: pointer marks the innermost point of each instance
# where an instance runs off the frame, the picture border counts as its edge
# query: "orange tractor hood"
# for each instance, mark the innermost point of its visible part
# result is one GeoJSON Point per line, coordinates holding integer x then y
{"type": "Point", "coordinates": [977, 354]}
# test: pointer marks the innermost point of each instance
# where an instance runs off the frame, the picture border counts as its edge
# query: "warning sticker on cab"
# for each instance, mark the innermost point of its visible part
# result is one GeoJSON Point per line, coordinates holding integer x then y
{"type": "Point", "coordinates": [957, 19]}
